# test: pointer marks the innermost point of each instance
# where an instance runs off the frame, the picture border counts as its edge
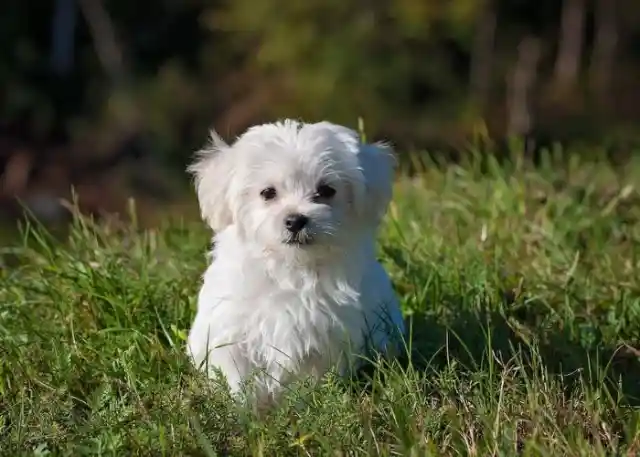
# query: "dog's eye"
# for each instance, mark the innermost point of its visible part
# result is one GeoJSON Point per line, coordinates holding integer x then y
{"type": "Point", "coordinates": [324, 192]}
{"type": "Point", "coordinates": [269, 193]}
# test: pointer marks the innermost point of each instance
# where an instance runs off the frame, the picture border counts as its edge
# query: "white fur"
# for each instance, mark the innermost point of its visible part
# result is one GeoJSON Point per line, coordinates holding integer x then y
{"type": "Point", "coordinates": [289, 310]}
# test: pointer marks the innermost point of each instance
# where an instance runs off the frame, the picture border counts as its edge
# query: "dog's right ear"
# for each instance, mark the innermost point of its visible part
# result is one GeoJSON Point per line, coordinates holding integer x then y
{"type": "Point", "coordinates": [213, 171]}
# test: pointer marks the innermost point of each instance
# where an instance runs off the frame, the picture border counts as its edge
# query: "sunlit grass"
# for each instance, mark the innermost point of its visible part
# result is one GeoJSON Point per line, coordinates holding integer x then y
{"type": "Point", "coordinates": [521, 289]}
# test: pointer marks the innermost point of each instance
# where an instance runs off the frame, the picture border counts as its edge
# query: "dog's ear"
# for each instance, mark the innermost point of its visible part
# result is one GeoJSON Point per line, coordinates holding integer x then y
{"type": "Point", "coordinates": [377, 163]}
{"type": "Point", "coordinates": [213, 171]}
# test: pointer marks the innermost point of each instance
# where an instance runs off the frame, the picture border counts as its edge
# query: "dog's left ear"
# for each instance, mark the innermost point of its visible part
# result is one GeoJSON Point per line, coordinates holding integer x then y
{"type": "Point", "coordinates": [376, 163]}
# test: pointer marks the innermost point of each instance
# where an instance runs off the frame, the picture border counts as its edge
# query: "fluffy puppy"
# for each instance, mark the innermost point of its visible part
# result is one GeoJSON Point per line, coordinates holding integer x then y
{"type": "Point", "coordinates": [294, 287]}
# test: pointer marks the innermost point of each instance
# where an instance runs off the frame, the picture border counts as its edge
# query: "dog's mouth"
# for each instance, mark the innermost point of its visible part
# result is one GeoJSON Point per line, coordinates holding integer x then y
{"type": "Point", "coordinates": [298, 240]}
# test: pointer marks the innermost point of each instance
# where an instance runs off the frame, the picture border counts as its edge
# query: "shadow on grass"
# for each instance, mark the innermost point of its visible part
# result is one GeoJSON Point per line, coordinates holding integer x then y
{"type": "Point", "coordinates": [472, 336]}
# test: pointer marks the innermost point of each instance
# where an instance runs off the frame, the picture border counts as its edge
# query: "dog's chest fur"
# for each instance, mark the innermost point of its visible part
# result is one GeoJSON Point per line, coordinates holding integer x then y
{"type": "Point", "coordinates": [284, 316]}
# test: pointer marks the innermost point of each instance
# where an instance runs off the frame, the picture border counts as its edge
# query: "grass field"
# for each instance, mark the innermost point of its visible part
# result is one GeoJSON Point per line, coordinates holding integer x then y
{"type": "Point", "coordinates": [520, 285]}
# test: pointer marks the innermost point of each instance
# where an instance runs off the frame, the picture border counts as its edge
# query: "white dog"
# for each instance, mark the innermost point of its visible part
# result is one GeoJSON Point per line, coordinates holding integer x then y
{"type": "Point", "coordinates": [294, 287]}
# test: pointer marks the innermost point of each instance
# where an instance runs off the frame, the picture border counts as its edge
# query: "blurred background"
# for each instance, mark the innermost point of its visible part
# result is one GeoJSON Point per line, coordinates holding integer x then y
{"type": "Point", "coordinates": [111, 97]}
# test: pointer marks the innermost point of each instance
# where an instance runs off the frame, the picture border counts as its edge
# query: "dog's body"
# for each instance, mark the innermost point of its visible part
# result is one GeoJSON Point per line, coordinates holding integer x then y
{"type": "Point", "coordinates": [294, 287]}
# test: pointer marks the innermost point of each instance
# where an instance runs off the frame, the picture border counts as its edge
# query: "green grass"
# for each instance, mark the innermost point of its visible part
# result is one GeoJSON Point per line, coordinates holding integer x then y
{"type": "Point", "coordinates": [520, 286]}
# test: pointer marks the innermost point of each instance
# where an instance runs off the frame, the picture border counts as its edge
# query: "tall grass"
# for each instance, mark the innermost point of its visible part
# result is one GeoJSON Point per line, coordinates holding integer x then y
{"type": "Point", "coordinates": [521, 289]}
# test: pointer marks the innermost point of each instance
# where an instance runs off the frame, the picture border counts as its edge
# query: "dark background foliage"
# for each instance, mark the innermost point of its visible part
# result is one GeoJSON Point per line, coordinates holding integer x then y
{"type": "Point", "coordinates": [106, 95]}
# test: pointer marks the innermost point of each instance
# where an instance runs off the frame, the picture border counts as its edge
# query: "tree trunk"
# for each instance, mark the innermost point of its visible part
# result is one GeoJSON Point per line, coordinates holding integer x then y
{"type": "Point", "coordinates": [522, 81]}
{"type": "Point", "coordinates": [62, 36]}
{"type": "Point", "coordinates": [604, 49]}
{"type": "Point", "coordinates": [104, 39]}
{"type": "Point", "coordinates": [570, 43]}
{"type": "Point", "coordinates": [482, 57]}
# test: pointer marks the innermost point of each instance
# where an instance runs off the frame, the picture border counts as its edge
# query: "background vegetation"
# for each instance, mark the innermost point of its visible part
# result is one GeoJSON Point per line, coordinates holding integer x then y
{"type": "Point", "coordinates": [88, 85]}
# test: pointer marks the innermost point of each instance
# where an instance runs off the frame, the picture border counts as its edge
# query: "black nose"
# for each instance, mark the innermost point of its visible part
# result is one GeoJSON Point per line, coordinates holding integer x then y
{"type": "Point", "coordinates": [295, 222]}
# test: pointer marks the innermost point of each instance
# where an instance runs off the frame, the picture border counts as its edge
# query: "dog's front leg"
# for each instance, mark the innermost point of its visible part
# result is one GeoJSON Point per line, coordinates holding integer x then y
{"type": "Point", "coordinates": [228, 360]}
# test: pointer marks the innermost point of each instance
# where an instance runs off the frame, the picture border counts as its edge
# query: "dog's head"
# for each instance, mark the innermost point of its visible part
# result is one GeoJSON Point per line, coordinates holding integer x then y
{"type": "Point", "coordinates": [291, 185]}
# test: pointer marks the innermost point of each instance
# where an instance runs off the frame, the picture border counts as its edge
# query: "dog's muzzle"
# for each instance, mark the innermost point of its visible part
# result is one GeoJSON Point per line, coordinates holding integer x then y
{"type": "Point", "coordinates": [298, 240]}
